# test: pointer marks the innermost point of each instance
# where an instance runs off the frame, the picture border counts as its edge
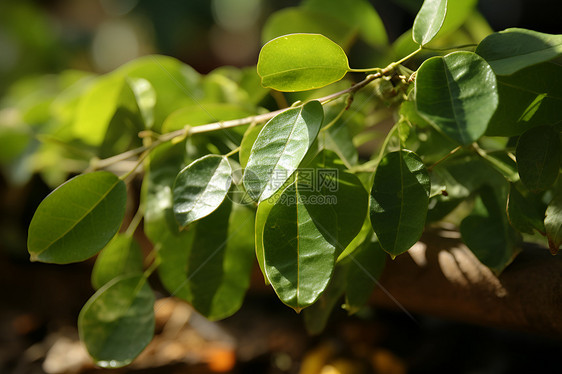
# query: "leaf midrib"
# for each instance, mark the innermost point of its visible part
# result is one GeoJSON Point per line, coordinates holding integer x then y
{"type": "Point", "coordinates": [79, 220]}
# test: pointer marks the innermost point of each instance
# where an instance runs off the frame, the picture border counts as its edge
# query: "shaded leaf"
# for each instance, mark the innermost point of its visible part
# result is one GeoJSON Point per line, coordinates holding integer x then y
{"type": "Point", "coordinates": [366, 266]}
{"type": "Point", "coordinates": [247, 143]}
{"type": "Point", "coordinates": [77, 219]}
{"type": "Point", "coordinates": [299, 20]}
{"type": "Point", "coordinates": [399, 201]}
{"type": "Point", "coordinates": [279, 149]}
{"type": "Point", "coordinates": [553, 223]}
{"type": "Point", "coordinates": [429, 20]}
{"type": "Point", "coordinates": [316, 316]}
{"type": "Point", "coordinates": [538, 155]}
{"type": "Point", "coordinates": [511, 50]}
{"type": "Point", "coordinates": [356, 14]}
{"type": "Point", "coordinates": [528, 98]}
{"type": "Point", "coordinates": [467, 100]}
{"type": "Point", "coordinates": [200, 188]}
{"type": "Point", "coordinates": [122, 256]}
{"type": "Point", "coordinates": [300, 62]}
{"type": "Point", "coordinates": [487, 233]}
{"type": "Point", "coordinates": [117, 322]}
{"type": "Point", "coordinates": [525, 215]}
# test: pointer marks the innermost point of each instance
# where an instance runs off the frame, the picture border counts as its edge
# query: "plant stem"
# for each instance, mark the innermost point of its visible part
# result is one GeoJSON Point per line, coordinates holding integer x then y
{"type": "Point", "coordinates": [430, 168]}
{"type": "Point", "coordinates": [215, 126]}
{"type": "Point", "coordinates": [234, 151]}
{"type": "Point", "coordinates": [135, 222]}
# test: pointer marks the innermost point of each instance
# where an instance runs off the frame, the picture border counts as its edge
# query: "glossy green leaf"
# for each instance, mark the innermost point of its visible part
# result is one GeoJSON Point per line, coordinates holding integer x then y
{"type": "Point", "coordinates": [528, 98]}
{"type": "Point", "coordinates": [220, 261]}
{"type": "Point", "coordinates": [78, 219]}
{"type": "Point", "coordinates": [366, 265]}
{"type": "Point", "coordinates": [466, 100]}
{"type": "Point", "coordinates": [279, 149]}
{"type": "Point", "coordinates": [399, 201]}
{"type": "Point", "coordinates": [122, 256]}
{"type": "Point", "coordinates": [264, 208]}
{"type": "Point", "coordinates": [299, 259]}
{"type": "Point", "coordinates": [511, 50]}
{"type": "Point", "coordinates": [429, 20]}
{"type": "Point", "coordinates": [300, 62]}
{"type": "Point", "coordinates": [200, 188]}
{"type": "Point", "coordinates": [525, 213]}
{"type": "Point", "coordinates": [117, 322]}
{"type": "Point", "coordinates": [487, 232]}
{"type": "Point", "coordinates": [358, 15]}
{"type": "Point", "coordinates": [538, 155]}
{"type": "Point", "coordinates": [553, 223]}
{"type": "Point", "coordinates": [299, 20]}
{"type": "Point", "coordinates": [459, 13]}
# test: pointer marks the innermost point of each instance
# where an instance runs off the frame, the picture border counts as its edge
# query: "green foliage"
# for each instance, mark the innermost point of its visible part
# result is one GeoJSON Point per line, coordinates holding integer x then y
{"type": "Point", "coordinates": [78, 219]}
{"type": "Point", "coordinates": [300, 62]}
{"type": "Point", "coordinates": [235, 172]}
{"type": "Point", "coordinates": [468, 100]}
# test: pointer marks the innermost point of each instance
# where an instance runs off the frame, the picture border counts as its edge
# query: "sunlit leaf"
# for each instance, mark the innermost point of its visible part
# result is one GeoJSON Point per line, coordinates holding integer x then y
{"type": "Point", "coordinates": [300, 62]}
{"type": "Point", "coordinates": [200, 188]}
{"type": "Point", "coordinates": [279, 149]}
{"type": "Point", "coordinates": [399, 201]}
{"type": "Point", "coordinates": [511, 50]}
{"type": "Point", "coordinates": [122, 256]}
{"type": "Point", "coordinates": [467, 97]}
{"type": "Point", "coordinates": [247, 143]}
{"type": "Point", "coordinates": [538, 156]}
{"type": "Point", "coordinates": [145, 98]}
{"type": "Point", "coordinates": [429, 20]}
{"type": "Point", "coordinates": [198, 114]}
{"type": "Point", "coordinates": [117, 322]}
{"type": "Point", "coordinates": [78, 219]}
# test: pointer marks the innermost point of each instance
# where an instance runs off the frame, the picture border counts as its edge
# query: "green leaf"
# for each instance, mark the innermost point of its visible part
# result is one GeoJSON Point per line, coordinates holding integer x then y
{"type": "Point", "coordinates": [538, 155]}
{"type": "Point", "coordinates": [279, 149]}
{"type": "Point", "coordinates": [220, 261]}
{"type": "Point", "coordinates": [77, 219]}
{"type": "Point", "coordinates": [122, 256]}
{"type": "Point", "coordinates": [466, 100]}
{"type": "Point", "coordinates": [338, 138]}
{"type": "Point", "coordinates": [300, 62]}
{"type": "Point", "coordinates": [264, 208]}
{"type": "Point", "coordinates": [146, 99]}
{"type": "Point", "coordinates": [247, 143]}
{"type": "Point", "coordinates": [399, 201]}
{"type": "Point", "coordinates": [429, 20]}
{"type": "Point", "coordinates": [366, 266]}
{"type": "Point", "coordinates": [200, 188]}
{"type": "Point", "coordinates": [459, 12]}
{"type": "Point", "coordinates": [117, 322]}
{"type": "Point", "coordinates": [299, 259]}
{"type": "Point", "coordinates": [511, 50]}
{"type": "Point", "coordinates": [553, 223]}
{"type": "Point", "coordinates": [358, 15]}
{"type": "Point", "coordinates": [299, 20]}
{"type": "Point", "coordinates": [487, 232]}
{"type": "Point", "coordinates": [316, 316]}
{"type": "Point", "coordinates": [524, 214]}
{"type": "Point", "coordinates": [531, 97]}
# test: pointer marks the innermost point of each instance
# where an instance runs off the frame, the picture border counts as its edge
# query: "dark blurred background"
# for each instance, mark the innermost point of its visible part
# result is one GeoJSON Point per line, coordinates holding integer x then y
{"type": "Point", "coordinates": [39, 303]}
